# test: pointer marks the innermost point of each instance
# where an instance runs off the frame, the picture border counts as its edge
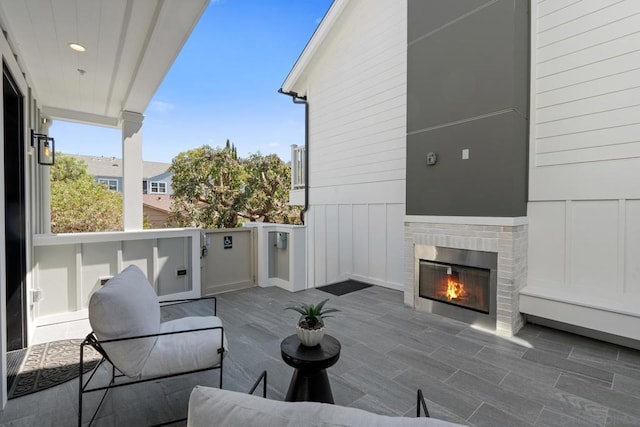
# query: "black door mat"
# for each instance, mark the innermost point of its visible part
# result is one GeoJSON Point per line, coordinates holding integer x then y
{"type": "Point", "coordinates": [345, 287]}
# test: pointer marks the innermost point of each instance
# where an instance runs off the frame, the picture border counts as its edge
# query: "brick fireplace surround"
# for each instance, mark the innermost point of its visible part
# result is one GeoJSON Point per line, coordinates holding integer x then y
{"type": "Point", "coordinates": [508, 241]}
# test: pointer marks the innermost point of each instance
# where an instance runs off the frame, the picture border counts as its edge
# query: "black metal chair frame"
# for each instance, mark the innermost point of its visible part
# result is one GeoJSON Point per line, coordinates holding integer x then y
{"type": "Point", "coordinates": [92, 341]}
{"type": "Point", "coordinates": [422, 403]}
{"type": "Point", "coordinates": [263, 378]}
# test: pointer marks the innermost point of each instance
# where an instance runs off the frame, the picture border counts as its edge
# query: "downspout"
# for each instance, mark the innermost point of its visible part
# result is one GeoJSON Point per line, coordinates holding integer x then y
{"type": "Point", "coordinates": [303, 100]}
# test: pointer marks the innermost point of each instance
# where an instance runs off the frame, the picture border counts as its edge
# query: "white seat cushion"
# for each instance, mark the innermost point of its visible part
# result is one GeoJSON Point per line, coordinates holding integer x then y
{"type": "Point", "coordinates": [126, 306]}
{"type": "Point", "coordinates": [223, 408]}
{"type": "Point", "coordinates": [177, 353]}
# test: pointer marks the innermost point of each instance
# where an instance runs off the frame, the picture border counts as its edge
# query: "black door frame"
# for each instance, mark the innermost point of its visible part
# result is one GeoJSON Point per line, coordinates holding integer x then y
{"type": "Point", "coordinates": [15, 227]}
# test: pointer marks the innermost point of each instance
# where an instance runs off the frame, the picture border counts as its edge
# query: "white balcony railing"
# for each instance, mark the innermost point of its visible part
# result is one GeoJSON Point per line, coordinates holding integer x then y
{"type": "Point", "coordinates": [297, 167]}
{"type": "Point", "coordinates": [70, 267]}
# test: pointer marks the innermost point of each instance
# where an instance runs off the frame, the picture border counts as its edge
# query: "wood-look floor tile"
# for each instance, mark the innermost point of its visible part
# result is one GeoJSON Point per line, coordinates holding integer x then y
{"type": "Point", "coordinates": [604, 395]}
{"type": "Point", "coordinates": [514, 404]}
{"type": "Point", "coordinates": [539, 373]}
{"type": "Point", "coordinates": [471, 365]}
{"type": "Point", "coordinates": [557, 399]}
{"type": "Point", "coordinates": [490, 416]}
{"type": "Point", "coordinates": [549, 359]}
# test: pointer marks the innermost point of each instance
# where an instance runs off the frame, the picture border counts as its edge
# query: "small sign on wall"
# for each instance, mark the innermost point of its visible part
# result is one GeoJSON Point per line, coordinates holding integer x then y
{"type": "Point", "coordinates": [227, 242]}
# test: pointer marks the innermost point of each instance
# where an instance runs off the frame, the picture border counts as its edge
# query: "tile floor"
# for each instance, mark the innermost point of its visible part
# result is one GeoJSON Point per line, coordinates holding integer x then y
{"type": "Point", "coordinates": [541, 377]}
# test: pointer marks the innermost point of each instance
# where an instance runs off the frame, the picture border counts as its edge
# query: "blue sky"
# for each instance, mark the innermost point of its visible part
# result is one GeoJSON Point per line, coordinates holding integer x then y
{"type": "Point", "coordinates": [223, 85]}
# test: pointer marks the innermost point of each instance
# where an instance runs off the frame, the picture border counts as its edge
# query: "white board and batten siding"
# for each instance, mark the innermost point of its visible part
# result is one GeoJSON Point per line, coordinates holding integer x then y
{"type": "Point", "coordinates": [356, 88]}
{"type": "Point", "coordinates": [584, 209]}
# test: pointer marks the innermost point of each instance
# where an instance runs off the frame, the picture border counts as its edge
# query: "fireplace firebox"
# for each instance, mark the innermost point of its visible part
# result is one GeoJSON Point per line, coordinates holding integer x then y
{"type": "Point", "coordinates": [457, 283]}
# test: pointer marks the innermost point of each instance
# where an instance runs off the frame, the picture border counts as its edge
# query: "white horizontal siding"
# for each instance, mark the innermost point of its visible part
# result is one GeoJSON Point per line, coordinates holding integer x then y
{"type": "Point", "coordinates": [356, 87]}
{"type": "Point", "coordinates": [594, 138]}
{"type": "Point", "coordinates": [547, 8]}
{"type": "Point", "coordinates": [586, 81]}
{"type": "Point", "coordinates": [386, 191]}
{"type": "Point", "coordinates": [600, 35]}
{"type": "Point", "coordinates": [589, 55]}
{"type": "Point", "coordinates": [590, 121]}
{"type": "Point", "coordinates": [357, 93]}
{"type": "Point", "coordinates": [573, 19]}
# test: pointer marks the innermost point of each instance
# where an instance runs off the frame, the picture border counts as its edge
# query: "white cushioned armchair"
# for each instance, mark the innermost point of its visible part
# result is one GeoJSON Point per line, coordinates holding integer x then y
{"type": "Point", "coordinates": [125, 317]}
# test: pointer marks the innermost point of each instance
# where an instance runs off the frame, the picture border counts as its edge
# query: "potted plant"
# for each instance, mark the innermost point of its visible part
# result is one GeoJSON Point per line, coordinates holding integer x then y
{"type": "Point", "coordinates": [310, 326]}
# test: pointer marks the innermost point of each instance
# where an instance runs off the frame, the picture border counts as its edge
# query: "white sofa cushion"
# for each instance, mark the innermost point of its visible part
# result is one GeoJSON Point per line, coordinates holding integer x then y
{"type": "Point", "coordinates": [223, 408]}
{"type": "Point", "coordinates": [126, 306]}
{"type": "Point", "coordinates": [177, 353]}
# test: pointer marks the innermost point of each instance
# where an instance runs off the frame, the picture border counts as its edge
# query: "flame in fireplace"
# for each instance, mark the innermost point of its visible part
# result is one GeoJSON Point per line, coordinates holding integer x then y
{"type": "Point", "coordinates": [455, 289]}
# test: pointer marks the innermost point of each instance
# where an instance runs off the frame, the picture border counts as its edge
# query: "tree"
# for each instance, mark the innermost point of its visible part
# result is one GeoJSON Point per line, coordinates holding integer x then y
{"type": "Point", "coordinates": [268, 179]}
{"type": "Point", "coordinates": [213, 188]}
{"type": "Point", "coordinates": [78, 203]}
{"type": "Point", "coordinates": [68, 168]}
{"type": "Point", "coordinates": [208, 188]}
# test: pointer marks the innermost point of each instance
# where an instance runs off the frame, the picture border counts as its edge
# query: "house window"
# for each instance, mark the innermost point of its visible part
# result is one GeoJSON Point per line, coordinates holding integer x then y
{"type": "Point", "coordinates": [111, 183]}
{"type": "Point", "coordinates": [158, 187]}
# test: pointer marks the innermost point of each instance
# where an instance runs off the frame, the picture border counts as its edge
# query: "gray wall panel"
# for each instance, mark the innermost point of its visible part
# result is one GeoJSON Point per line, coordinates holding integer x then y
{"type": "Point", "coordinates": [464, 70]}
{"type": "Point", "coordinates": [491, 182]}
{"type": "Point", "coordinates": [427, 16]}
{"type": "Point", "coordinates": [467, 87]}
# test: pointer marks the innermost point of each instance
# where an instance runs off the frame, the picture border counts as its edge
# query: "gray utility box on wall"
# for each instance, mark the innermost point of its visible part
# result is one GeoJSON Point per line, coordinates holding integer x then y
{"type": "Point", "coordinates": [281, 240]}
{"type": "Point", "coordinates": [278, 255]}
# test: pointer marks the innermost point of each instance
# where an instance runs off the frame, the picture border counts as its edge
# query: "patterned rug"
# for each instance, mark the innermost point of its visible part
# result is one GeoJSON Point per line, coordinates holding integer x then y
{"type": "Point", "coordinates": [49, 364]}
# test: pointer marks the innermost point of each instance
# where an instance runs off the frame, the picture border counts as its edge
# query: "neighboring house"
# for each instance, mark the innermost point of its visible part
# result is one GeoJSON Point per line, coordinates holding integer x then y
{"type": "Point", "coordinates": [156, 208]}
{"type": "Point", "coordinates": [108, 170]}
{"type": "Point", "coordinates": [502, 127]}
{"type": "Point", "coordinates": [158, 184]}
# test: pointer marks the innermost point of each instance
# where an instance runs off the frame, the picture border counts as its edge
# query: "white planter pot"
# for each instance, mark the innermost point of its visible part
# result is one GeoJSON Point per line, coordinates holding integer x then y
{"type": "Point", "coordinates": [310, 337]}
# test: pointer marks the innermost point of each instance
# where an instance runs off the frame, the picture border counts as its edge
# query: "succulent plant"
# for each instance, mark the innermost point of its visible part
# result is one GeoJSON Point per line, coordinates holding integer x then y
{"type": "Point", "coordinates": [311, 316]}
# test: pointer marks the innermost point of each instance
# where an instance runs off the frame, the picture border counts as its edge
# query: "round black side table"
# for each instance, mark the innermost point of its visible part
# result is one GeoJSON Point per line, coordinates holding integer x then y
{"type": "Point", "coordinates": [310, 382]}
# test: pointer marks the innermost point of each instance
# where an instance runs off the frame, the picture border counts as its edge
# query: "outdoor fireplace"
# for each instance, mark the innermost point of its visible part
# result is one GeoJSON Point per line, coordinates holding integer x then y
{"type": "Point", "coordinates": [457, 283]}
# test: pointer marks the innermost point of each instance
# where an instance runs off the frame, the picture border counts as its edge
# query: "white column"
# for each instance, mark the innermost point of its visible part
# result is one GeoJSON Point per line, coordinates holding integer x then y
{"type": "Point", "coordinates": [132, 170]}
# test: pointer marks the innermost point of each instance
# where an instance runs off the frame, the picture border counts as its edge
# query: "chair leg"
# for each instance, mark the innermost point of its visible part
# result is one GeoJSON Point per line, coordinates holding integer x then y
{"type": "Point", "coordinates": [221, 371]}
{"type": "Point", "coordinates": [263, 378]}
{"type": "Point", "coordinates": [422, 403]}
{"type": "Point", "coordinates": [80, 374]}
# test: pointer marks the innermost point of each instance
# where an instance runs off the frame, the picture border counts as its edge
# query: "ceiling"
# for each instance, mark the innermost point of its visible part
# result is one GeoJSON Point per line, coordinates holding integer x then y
{"type": "Point", "coordinates": [130, 46]}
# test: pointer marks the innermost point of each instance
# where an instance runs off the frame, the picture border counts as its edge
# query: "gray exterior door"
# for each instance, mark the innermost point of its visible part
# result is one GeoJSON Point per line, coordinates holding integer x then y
{"type": "Point", "coordinates": [230, 262]}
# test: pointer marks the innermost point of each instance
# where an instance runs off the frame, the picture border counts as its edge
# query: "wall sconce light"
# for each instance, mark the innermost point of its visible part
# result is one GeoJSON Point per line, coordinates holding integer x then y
{"type": "Point", "coordinates": [46, 148]}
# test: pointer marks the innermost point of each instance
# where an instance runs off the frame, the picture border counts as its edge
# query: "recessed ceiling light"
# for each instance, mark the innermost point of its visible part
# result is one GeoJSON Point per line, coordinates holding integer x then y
{"type": "Point", "coordinates": [77, 47]}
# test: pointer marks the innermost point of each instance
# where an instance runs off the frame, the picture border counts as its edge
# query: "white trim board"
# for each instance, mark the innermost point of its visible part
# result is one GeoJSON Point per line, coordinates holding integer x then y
{"type": "Point", "coordinates": [377, 282]}
{"type": "Point", "coordinates": [597, 319]}
{"type": "Point", "coordinates": [627, 307]}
